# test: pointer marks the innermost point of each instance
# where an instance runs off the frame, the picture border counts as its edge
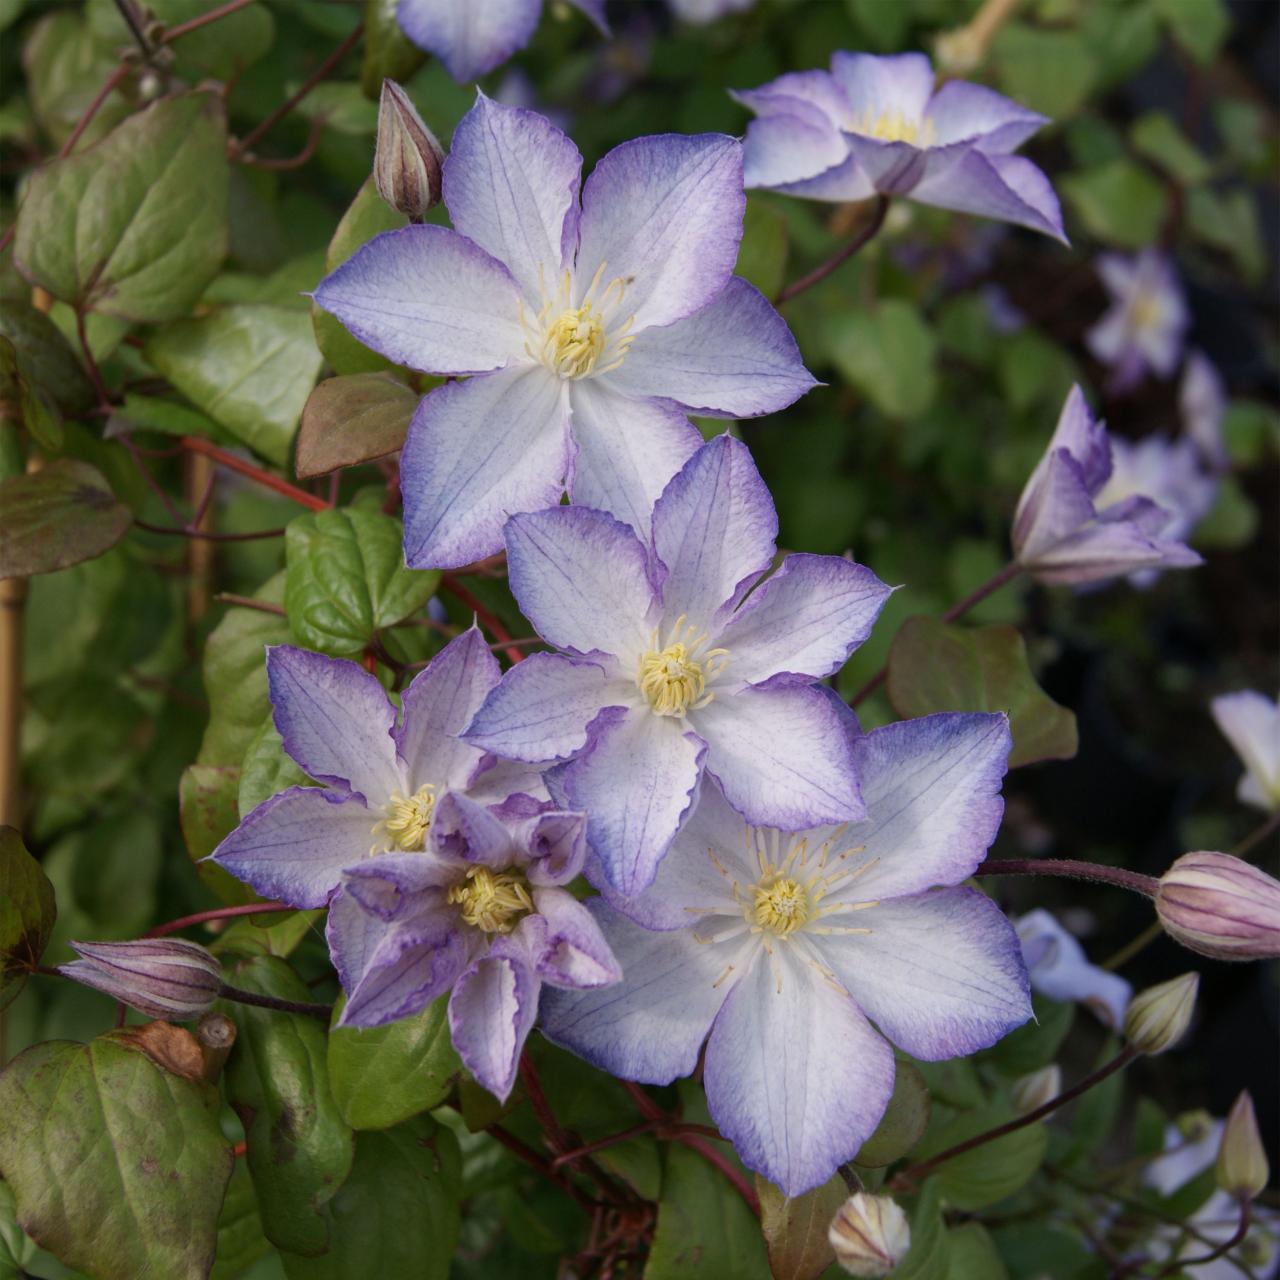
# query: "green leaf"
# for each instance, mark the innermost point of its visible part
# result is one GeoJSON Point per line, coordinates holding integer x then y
{"type": "Point", "coordinates": [992, 1171]}
{"type": "Point", "coordinates": [299, 1148]}
{"type": "Point", "coordinates": [152, 413]}
{"type": "Point", "coordinates": [762, 255]}
{"type": "Point", "coordinates": [45, 357]}
{"type": "Point", "coordinates": [346, 579]}
{"type": "Point", "coordinates": [889, 353]}
{"type": "Point", "coordinates": [1048, 71]}
{"type": "Point", "coordinates": [266, 769]}
{"type": "Point", "coordinates": [57, 516]}
{"type": "Point", "coordinates": [704, 1226]}
{"type": "Point", "coordinates": [27, 913]}
{"type": "Point", "coordinates": [1230, 222]}
{"type": "Point", "coordinates": [1033, 370]}
{"type": "Point", "coordinates": [927, 1258]}
{"type": "Point", "coordinates": [972, 1254]}
{"type": "Point", "coordinates": [136, 226]}
{"type": "Point", "coordinates": [1035, 1044]}
{"type": "Point", "coordinates": [30, 403]}
{"type": "Point", "coordinates": [388, 53]}
{"type": "Point", "coordinates": [250, 367]}
{"type": "Point", "coordinates": [904, 1121]}
{"type": "Point", "coordinates": [240, 1239]}
{"type": "Point", "coordinates": [383, 1075]}
{"type": "Point", "coordinates": [1119, 202]}
{"type": "Point", "coordinates": [353, 419]}
{"type": "Point", "coordinates": [1233, 520]}
{"type": "Point", "coordinates": [118, 1167]}
{"type": "Point", "coordinates": [1155, 136]}
{"type": "Point", "coordinates": [795, 1230]}
{"type": "Point", "coordinates": [937, 667]}
{"type": "Point", "coordinates": [367, 216]}
{"type": "Point", "coordinates": [1094, 1118]}
{"type": "Point", "coordinates": [397, 1213]}
{"type": "Point", "coordinates": [208, 814]}
{"type": "Point", "coordinates": [1199, 26]}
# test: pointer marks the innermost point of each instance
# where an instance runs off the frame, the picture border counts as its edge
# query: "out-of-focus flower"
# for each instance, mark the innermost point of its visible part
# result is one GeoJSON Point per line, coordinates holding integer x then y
{"type": "Point", "coordinates": [1242, 1168]}
{"type": "Point", "coordinates": [661, 672]}
{"type": "Point", "coordinates": [407, 158]}
{"type": "Point", "coordinates": [1216, 1222]}
{"type": "Point", "coordinates": [592, 331]}
{"type": "Point", "coordinates": [1202, 403]}
{"type": "Point", "coordinates": [1190, 1146]}
{"type": "Point", "coordinates": [1159, 1016]}
{"type": "Point", "coordinates": [1221, 906]}
{"type": "Point", "coordinates": [876, 125]}
{"type": "Point", "coordinates": [1062, 532]}
{"type": "Point", "coordinates": [471, 37]}
{"type": "Point", "coordinates": [1002, 314]}
{"type": "Point", "coordinates": [701, 12]}
{"type": "Point", "coordinates": [786, 946]}
{"type": "Point", "coordinates": [870, 1235]}
{"type": "Point", "coordinates": [1251, 723]}
{"type": "Point", "coordinates": [162, 977]}
{"type": "Point", "coordinates": [1060, 969]}
{"type": "Point", "coordinates": [1034, 1090]}
{"type": "Point", "coordinates": [1147, 321]}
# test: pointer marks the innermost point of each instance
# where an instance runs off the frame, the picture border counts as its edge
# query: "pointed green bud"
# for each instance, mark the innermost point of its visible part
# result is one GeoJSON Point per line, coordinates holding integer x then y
{"type": "Point", "coordinates": [1159, 1016]}
{"type": "Point", "coordinates": [1034, 1090]}
{"type": "Point", "coordinates": [407, 162]}
{"type": "Point", "coordinates": [1242, 1168]}
{"type": "Point", "coordinates": [870, 1235]}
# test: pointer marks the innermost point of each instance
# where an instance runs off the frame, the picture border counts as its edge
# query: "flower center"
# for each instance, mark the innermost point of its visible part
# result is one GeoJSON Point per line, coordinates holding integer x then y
{"type": "Point", "coordinates": [579, 341]}
{"type": "Point", "coordinates": [673, 678]}
{"type": "Point", "coordinates": [405, 821]}
{"type": "Point", "coordinates": [492, 901]}
{"type": "Point", "coordinates": [574, 342]}
{"type": "Point", "coordinates": [893, 126]}
{"type": "Point", "coordinates": [1146, 310]}
{"type": "Point", "coordinates": [780, 905]}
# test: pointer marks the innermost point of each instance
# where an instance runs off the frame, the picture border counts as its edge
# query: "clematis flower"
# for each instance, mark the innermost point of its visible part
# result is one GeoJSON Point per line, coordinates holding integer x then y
{"type": "Point", "coordinates": [1147, 321]}
{"type": "Point", "coordinates": [701, 12]}
{"type": "Point", "coordinates": [1251, 723]}
{"type": "Point", "coordinates": [786, 947]}
{"type": "Point", "coordinates": [664, 671]}
{"type": "Point", "coordinates": [1060, 969]}
{"type": "Point", "coordinates": [877, 125]}
{"type": "Point", "coordinates": [474, 37]}
{"type": "Point", "coordinates": [1065, 531]}
{"type": "Point", "coordinates": [1202, 404]}
{"type": "Point", "coordinates": [592, 331]}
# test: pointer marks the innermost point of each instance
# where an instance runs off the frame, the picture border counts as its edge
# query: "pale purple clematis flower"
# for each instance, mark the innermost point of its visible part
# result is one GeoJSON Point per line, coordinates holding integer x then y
{"type": "Point", "coordinates": [1250, 721]}
{"type": "Point", "coordinates": [701, 12]}
{"type": "Point", "coordinates": [596, 329]}
{"type": "Point", "coordinates": [1147, 321]}
{"type": "Point", "coordinates": [471, 37]}
{"type": "Point", "coordinates": [664, 670]}
{"type": "Point", "coordinates": [1064, 533]}
{"type": "Point", "coordinates": [876, 125]}
{"type": "Point", "coordinates": [786, 946]}
{"type": "Point", "coordinates": [1202, 403]}
{"type": "Point", "coordinates": [1060, 969]}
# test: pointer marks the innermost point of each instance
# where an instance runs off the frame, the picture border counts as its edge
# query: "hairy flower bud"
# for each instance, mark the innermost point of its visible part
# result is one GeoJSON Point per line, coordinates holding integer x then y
{"type": "Point", "coordinates": [407, 160]}
{"type": "Point", "coordinates": [161, 977]}
{"type": "Point", "coordinates": [1221, 906]}
{"type": "Point", "coordinates": [1159, 1016]}
{"type": "Point", "coordinates": [1242, 1168]}
{"type": "Point", "coordinates": [1034, 1090]}
{"type": "Point", "coordinates": [870, 1235]}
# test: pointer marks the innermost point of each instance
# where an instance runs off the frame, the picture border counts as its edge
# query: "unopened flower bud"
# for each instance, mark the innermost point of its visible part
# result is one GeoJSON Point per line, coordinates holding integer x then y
{"type": "Point", "coordinates": [870, 1235]}
{"type": "Point", "coordinates": [1159, 1016]}
{"type": "Point", "coordinates": [161, 977]}
{"type": "Point", "coordinates": [407, 160]}
{"type": "Point", "coordinates": [1221, 906]}
{"type": "Point", "coordinates": [1194, 1126]}
{"type": "Point", "coordinates": [1034, 1090]}
{"type": "Point", "coordinates": [1242, 1168]}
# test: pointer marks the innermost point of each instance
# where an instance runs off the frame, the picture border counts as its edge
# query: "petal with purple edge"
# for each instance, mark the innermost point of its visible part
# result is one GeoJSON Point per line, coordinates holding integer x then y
{"type": "Point", "coordinates": [932, 791]}
{"type": "Point", "coordinates": [472, 38]}
{"type": "Point", "coordinates": [556, 844]}
{"type": "Point", "coordinates": [963, 112]}
{"type": "Point", "coordinates": [478, 452]}
{"type": "Point", "coordinates": [575, 953]}
{"type": "Point", "coordinates": [594, 10]}
{"type": "Point", "coordinates": [806, 619]}
{"type": "Point", "coordinates": [1055, 504]}
{"type": "Point", "coordinates": [398, 886]}
{"type": "Point", "coordinates": [626, 450]}
{"type": "Point", "coordinates": [651, 1025]}
{"type": "Point", "coordinates": [353, 936]}
{"type": "Point", "coordinates": [1059, 968]}
{"type": "Point", "coordinates": [403, 976]}
{"type": "Point", "coordinates": [844, 183]}
{"type": "Point", "coordinates": [467, 831]}
{"type": "Point", "coordinates": [511, 185]}
{"type": "Point", "coordinates": [780, 149]}
{"type": "Point", "coordinates": [940, 973]}
{"type": "Point", "coordinates": [796, 1077]}
{"type": "Point", "coordinates": [713, 531]}
{"type": "Point", "coordinates": [1008, 188]}
{"type": "Point", "coordinates": [491, 1013]}
{"type": "Point", "coordinates": [783, 755]}
{"type": "Point", "coordinates": [295, 846]}
{"type": "Point", "coordinates": [636, 780]}
{"type": "Point", "coordinates": [799, 91]}
{"type": "Point", "coordinates": [581, 578]}
{"type": "Point", "coordinates": [428, 298]}
{"type": "Point", "coordinates": [893, 168]}
{"type": "Point", "coordinates": [664, 213]}
{"type": "Point", "coordinates": [335, 719]}
{"type": "Point", "coordinates": [735, 358]}
{"type": "Point", "coordinates": [438, 705]}
{"type": "Point", "coordinates": [898, 85]}
{"type": "Point", "coordinates": [1113, 546]}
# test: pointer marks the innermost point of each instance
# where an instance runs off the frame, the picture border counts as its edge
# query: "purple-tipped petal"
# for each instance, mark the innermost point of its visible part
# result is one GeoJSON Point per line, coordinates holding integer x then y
{"type": "Point", "coordinates": [574, 951]}
{"type": "Point", "coordinates": [940, 973]}
{"type": "Point", "coordinates": [1059, 968]}
{"type": "Point", "coordinates": [1009, 188]}
{"type": "Point", "coordinates": [898, 85]}
{"type": "Point", "coordinates": [783, 755]}
{"type": "Point", "coordinates": [627, 450]}
{"type": "Point", "coordinates": [469, 832]}
{"type": "Point", "coordinates": [353, 936]}
{"type": "Point", "coordinates": [713, 531]}
{"type": "Point", "coordinates": [805, 619]}
{"type": "Point", "coordinates": [403, 976]}
{"type": "Point", "coordinates": [428, 298]}
{"type": "Point", "coordinates": [781, 149]}
{"type": "Point", "coordinates": [491, 1013]}
{"type": "Point", "coordinates": [1113, 547]}
{"type": "Point", "coordinates": [335, 719]}
{"type": "Point", "coordinates": [295, 846]}
{"type": "Point", "coordinates": [1055, 505]}
{"type": "Point", "coordinates": [796, 1077]}
{"type": "Point", "coordinates": [401, 886]}
{"type": "Point", "coordinates": [735, 358]}
{"type": "Point", "coordinates": [963, 112]}
{"type": "Point", "coordinates": [893, 168]}
{"type": "Point", "coordinates": [556, 844]}
{"type": "Point", "coordinates": [478, 452]}
{"type": "Point", "coordinates": [594, 10]}
{"type": "Point", "coordinates": [664, 213]}
{"type": "Point", "coordinates": [511, 185]}
{"type": "Point", "coordinates": [472, 38]}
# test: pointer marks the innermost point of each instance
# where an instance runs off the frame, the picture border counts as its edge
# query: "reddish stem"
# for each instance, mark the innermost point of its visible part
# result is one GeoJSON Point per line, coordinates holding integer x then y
{"type": "Point", "coordinates": [206, 535]}
{"type": "Point", "coordinates": [1073, 869]}
{"type": "Point", "coordinates": [526, 1153]}
{"type": "Point", "coordinates": [197, 444]}
{"type": "Point", "coordinates": [216, 913]}
{"type": "Point", "coordinates": [496, 629]}
{"type": "Point", "coordinates": [820, 273]}
{"type": "Point", "coordinates": [95, 374]}
{"type": "Point", "coordinates": [108, 86]}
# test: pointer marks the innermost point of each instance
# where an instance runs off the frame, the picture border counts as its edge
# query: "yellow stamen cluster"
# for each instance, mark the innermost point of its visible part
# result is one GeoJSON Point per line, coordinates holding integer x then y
{"type": "Point", "coordinates": [673, 677]}
{"type": "Point", "coordinates": [780, 905]}
{"type": "Point", "coordinates": [492, 901]}
{"type": "Point", "coordinates": [578, 341]}
{"type": "Point", "coordinates": [1146, 311]}
{"type": "Point", "coordinates": [574, 342]}
{"type": "Point", "coordinates": [894, 126]}
{"type": "Point", "coordinates": [406, 821]}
